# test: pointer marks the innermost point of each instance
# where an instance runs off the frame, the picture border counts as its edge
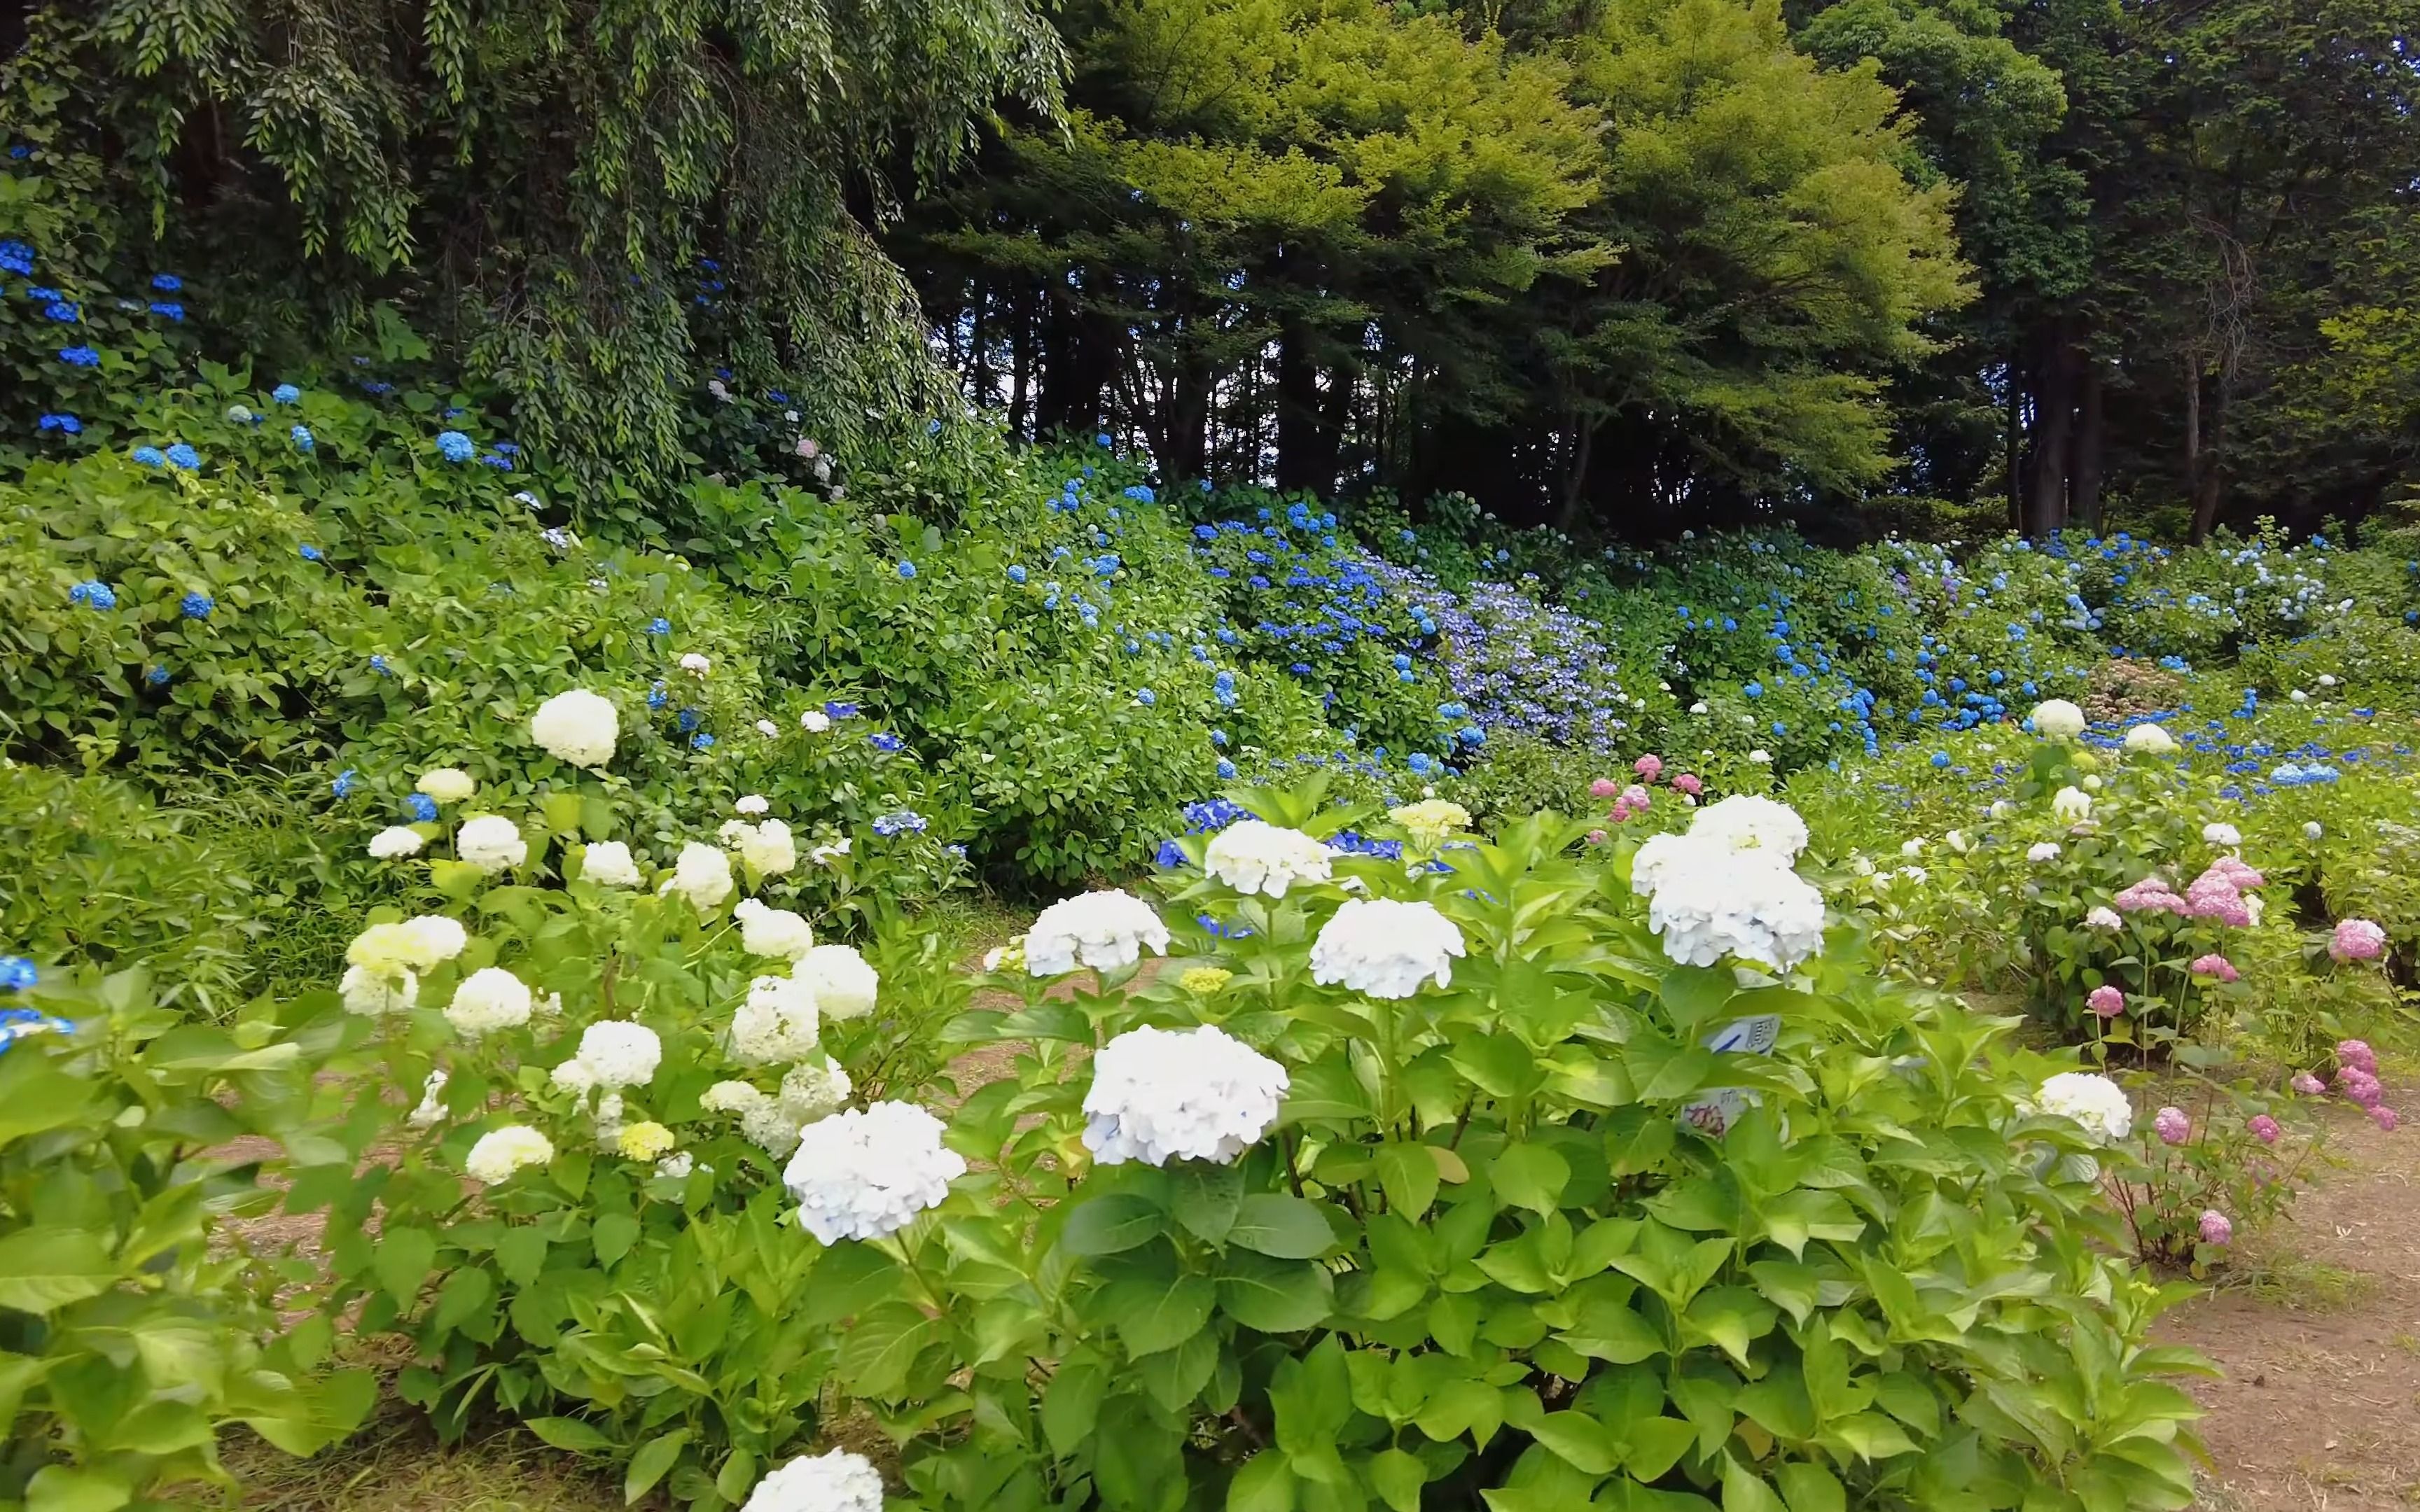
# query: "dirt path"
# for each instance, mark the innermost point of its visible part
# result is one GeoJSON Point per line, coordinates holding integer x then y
{"type": "Point", "coordinates": [2320, 1405]}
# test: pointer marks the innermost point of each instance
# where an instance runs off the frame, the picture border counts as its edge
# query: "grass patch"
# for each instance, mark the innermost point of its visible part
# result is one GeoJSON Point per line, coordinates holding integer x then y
{"type": "Point", "coordinates": [395, 1464]}
{"type": "Point", "coordinates": [2285, 1279]}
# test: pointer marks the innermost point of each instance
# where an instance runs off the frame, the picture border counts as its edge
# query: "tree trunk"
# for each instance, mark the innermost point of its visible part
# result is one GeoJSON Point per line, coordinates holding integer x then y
{"type": "Point", "coordinates": [1575, 476]}
{"type": "Point", "coordinates": [2015, 439]}
{"type": "Point", "coordinates": [2084, 466]}
{"type": "Point", "coordinates": [2053, 416]}
{"type": "Point", "coordinates": [1021, 360]}
{"type": "Point", "coordinates": [1306, 458]}
{"type": "Point", "coordinates": [978, 347]}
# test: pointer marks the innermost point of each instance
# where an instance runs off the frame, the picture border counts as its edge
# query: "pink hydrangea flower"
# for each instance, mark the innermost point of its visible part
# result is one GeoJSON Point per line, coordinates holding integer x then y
{"type": "Point", "coordinates": [2215, 966]}
{"type": "Point", "coordinates": [2213, 897]}
{"type": "Point", "coordinates": [2151, 895]}
{"type": "Point", "coordinates": [1635, 798]}
{"type": "Point", "coordinates": [1649, 766]}
{"type": "Point", "coordinates": [2384, 1118]}
{"type": "Point", "coordinates": [1604, 787]}
{"type": "Point", "coordinates": [2264, 1128]}
{"type": "Point", "coordinates": [2357, 939]}
{"type": "Point", "coordinates": [1690, 783]}
{"type": "Point", "coordinates": [2105, 1000]}
{"type": "Point", "coordinates": [2360, 1086]}
{"type": "Point", "coordinates": [1618, 814]}
{"type": "Point", "coordinates": [2358, 1055]}
{"type": "Point", "coordinates": [2172, 1126]}
{"type": "Point", "coordinates": [2215, 1228]}
{"type": "Point", "coordinates": [2306, 1083]}
{"type": "Point", "coordinates": [1596, 837]}
{"type": "Point", "coordinates": [2234, 871]}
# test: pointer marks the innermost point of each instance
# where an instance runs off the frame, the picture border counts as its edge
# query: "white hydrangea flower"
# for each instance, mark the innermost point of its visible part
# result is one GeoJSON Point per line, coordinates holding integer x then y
{"type": "Point", "coordinates": [1251, 856]}
{"type": "Point", "coordinates": [1760, 756]}
{"type": "Point", "coordinates": [394, 841]}
{"type": "Point", "coordinates": [1749, 822]}
{"type": "Point", "coordinates": [701, 875]}
{"type": "Point", "coordinates": [696, 665]}
{"type": "Point", "coordinates": [2150, 739]}
{"type": "Point", "coordinates": [774, 932]}
{"type": "Point", "coordinates": [754, 805]}
{"type": "Point", "coordinates": [1428, 822]}
{"type": "Point", "coordinates": [2312, 830]}
{"type": "Point", "coordinates": [2043, 851]}
{"type": "Point", "coordinates": [844, 985]}
{"type": "Point", "coordinates": [609, 1119]}
{"type": "Point", "coordinates": [2056, 719]}
{"type": "Point", "coordinates": [490, 842]}
{"type": "Point", "coordinates": [2104, 918]}
{"type": "Point", "coordinates": [677, 1166]}
{"type": "Point", "coordinates": [769, 1126]}
{"type": "Point", "coordinates": [812, 1091]}
{"type": "Point", "coordinates": [577, 728]}
{"type": "Point", "coordinates": [814, 722]}
{"type": "Point", "coordinates": [500, 1152]}
{"type": "Point", "coordinates": [488, 999]}
{"type": "Point", "coordinates": [372, 993]}
{"type": "Point", "coordinates": [2071, 806]}
{"type": "Point", "coordinates": [421, 944]}
{"type": "Point", "coordinates": [777, 1024]}
{"type": "Point", "coordinates": [835, 1482]}
{"type": "Point", "coordinates": [621, 1054]}
{"type": "Point", "coordinates": [1159, 1095]}
{"type": "Point", "coordinates": [1956, 841]}
{"type": "Point", "coordinates": [1106, 930]}
{"type": "Point", "coordinates": [447, 784]}
{"type": "Point", "coordinates": [432, 1105]}
{"type": "Point", "coordinates": [1383, 947]}
{"type": "Point", "coordinates": [767, 845]}
{"type": "Point", "coordinates": [867, 1173]}
{"type": "Point", "coordinates": [2093, 1101]}
{"type": "Point", "coordinates": [1713, 902]}
{"type": "Point", "coordinates": [2227, 837]}
{"type": "Point", "coordinates": [608, 863]}
{"type": "Point", "coordinates": [730, 1096]}
{"type": "Point", "coordinates": [574, 1076]}
{"type": "Point", "coordinates": [1912, 848]}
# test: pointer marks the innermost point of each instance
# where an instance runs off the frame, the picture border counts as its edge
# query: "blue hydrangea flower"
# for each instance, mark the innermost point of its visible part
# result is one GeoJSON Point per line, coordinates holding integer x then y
{"type": "Point", "coordinates": [421, 808]}
{"type": "Point", "coordinates": [79, 357]}
{"type": "Point", "coordinates": [1218, 738]}
{"type": "Point", "coordinates": [17, 973]}
{"type": "Point", "coordinates": [381, 666]}
{"type": "Point", "coordinates": [454, 446]}
{"type": "Point", "coordinates": [660, 625]}
{"type": "Point", "coordinates": [167, 311]}
{"type": "Point", "coordinates": [1170, 856]}
{"type": "Point", "coordinates": [16, 257]}
{"type": "Point", "coordinates": [1104, 439]}
{"type": "Point", "coordinates": [312, 554]}
{"type": "Point", "coordinates": [1146, 696]}
{"type": "Point", "coordinates": [347, 780]}
{"type": "Point", "coordinates": [195, 605]}
{"type": "Point", "coordinates": [63, 310]}
{"type": "Point", "coordinates": [690, 720]}
{"type": "Point", "coordinates": [167, 282]}
{"type": "Point", "coordinates": [906, 821]}
{"type": "Point", "coordinates": [93, 595]}
{"type": "Point", "coordinates": [303, 441]}
{"type": "Point", "coordinates": [1226, 770]}
{"type": "Point", "coordinates": [184, 456]}
{"type": "Point", "coordinates": [906, 569]}
{"type": "Point", "coordinates": [285, 393]}
{"type": "Point", "coordinates": [1015, 574]}
{"type": "Point", "coordinates": [157, 677]}
{"type": "Point", "coordinates": [887, 743]}
{"type": "Point", "coordinates": [701, 741]}
{"type": "Point", "coordinates": [68, 424]}
{"type": "Point", "coordinates": [835, 709]}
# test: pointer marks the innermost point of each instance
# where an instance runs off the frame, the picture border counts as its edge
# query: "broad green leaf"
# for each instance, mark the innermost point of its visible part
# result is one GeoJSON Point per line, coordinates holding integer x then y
{"type": "Point", "coordinates": [568, 1433]}
{"type": "Point", "coordinates": [521, 1254]}
{"type": "Point", "coordinates": [1869, 1436]}
{"type": "Point", "coordinates": [401, 1260]}
{"type": "Point", "coordinates": [1071, 1404]}
{"type": "Point", "coordinates": [1581, 1441]}
{"type": "Point", "coordinates": [654, 1460]}
{"type": "Point", "coordinates": [1153, 1316]}
{"type": "Point", "coordinates": [1731, 1317]}
{"type": "Point", "coordinates": [1655, 1444]}
{"type": "Point", "coordinates": [1173, 1377]}
{"type": "Point", "coordinates": [1287, 1227]}
{"type": "Point", "coordinates": [1460, 1407]}
{"type": "Point", "coordinates": [462, 1296]}
{"type": "Point", "coordinates": [42, 1270]}
{"type": "Point", "coordinates": [1744, 1491]}
{"type": "Point", "coordinates": [67, 1489]}
{"type": "Point", "coordinates": [1409, 1175]}
{"type": "Point", "coordinates": [1696, 995]}
{"type": "Point", "coordinates": [737, 1474]}
{"type": "Point", "coordinates": [1530, 1175]}
{"type": "Point", "coordinates": [1809, 1487]}
{"type": "Point", "coordinates": [1397, 1478]}
{"type": "Point", "coordinates": [1206, 1197]}
{"type": "Point", "coordinates": [1112, 1224]}
{"type": "Point", "coordinates": [1264, 1484]}
{"type": "Point", "coordinates": [1275, 1296]}
{"type": "Point", "coordinates": [612, 1236]}
{"type": "Point", "coordinates": [36, 1095]}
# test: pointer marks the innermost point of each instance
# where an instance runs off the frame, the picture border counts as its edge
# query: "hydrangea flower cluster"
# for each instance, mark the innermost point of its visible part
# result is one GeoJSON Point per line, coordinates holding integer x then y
{"type": "Point", "coordinates": [1383, 948]}
{"type": "Point", "coordinates": [838, 1481]}
{"type": "Point", "coordinates": [1252, 856]}
{"type": "Point", "coordinates": [1159, 1095]}
{"type": "Point", "coordinates": [2356, 939]}
{"type": "Point", "coordinates": [577, 728]}
{"type": "Point", "coordinates": [2094, 1101]}
{"type": "Point", "coordinates": [866, 1173]}
{"type": "Point", "coordinates": [501, 1152]}
{"type": "Point", "coordinates": [1725, 888]}
{"type": "Point", "coordinates": [1106, 931]}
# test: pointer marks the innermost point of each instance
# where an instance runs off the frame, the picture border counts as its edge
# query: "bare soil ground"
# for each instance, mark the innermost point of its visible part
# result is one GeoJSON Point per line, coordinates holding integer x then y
{"type": "Point", "coordinates": [2319, 1337]}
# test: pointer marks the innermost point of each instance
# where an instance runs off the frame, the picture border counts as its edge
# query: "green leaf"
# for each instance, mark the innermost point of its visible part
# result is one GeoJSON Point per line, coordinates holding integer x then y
{"type": "Point", "coordinates": [1731, 1317]}
{"type": "Point", "coordinates": [1579, 1440]}
{"type": "Point", "coordinates": [463, 1295]}
{"type": "Point", "coordinates": [1409, 1175]}
{"type": "Point", "coordinates": [1175, 1377]}
{"type": "Point", "coordinates": [1869, 1436]}
{"type": "Point", "coordinates": [613, 1235]}
{"type": "Point", "coordinates": [1071, 1404]}
{"type": "Point", "coordinates": [521, 1254]}
{"type": "Point", "coordinates": [1531, 1176]}
{"type": "Point", "coordinates": [1265, 1484]}
{"type": "Point", "coordinates": [1112, 1224]}
{"type": "Point", "coordinates": [568, 1433]}
{"type": "Point", "coordinates": [36, 1095]}
{"type": "Point", "coordinates": [63, 1489]}
{"type": "Point", "coordinates": [1206, 1197]}
{"type": "Point", "coordinates": [654, 1460]}
{"type": "Point", "coordinates": [1275, 1296]}
{"type": "Point", "coordinates": [1287, 1227]}
{"type": "Point", "coordinates": [1745, 1491]}
{"type": "Point", "coordinates": [1809, 1487]}
{"type": "Point", "coordinates": [401, 1260]}
{"type": "Point", "coordinates": [737, 1474]}
{"type": "Point", "coordinates": [1397, 1478]}
{"type": "Point", "coordinates": [1696, 995]}
{"type": "Point", "coordinates": [42, 1270]}
{"type": "Point", "coordinates": [1655, 1445]}
{"type": "Point", "coordinates": [1153, 1315]}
